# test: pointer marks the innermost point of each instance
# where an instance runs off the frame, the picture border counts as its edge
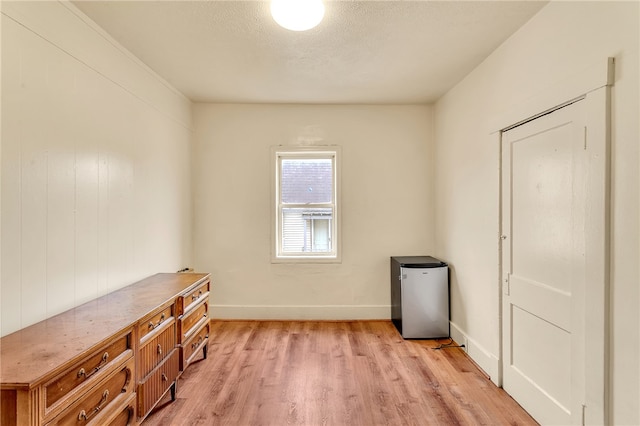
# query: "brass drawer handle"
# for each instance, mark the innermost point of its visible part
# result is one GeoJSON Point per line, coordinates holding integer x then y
{"type": "Point", "coordinates": [199, 342]}
{"type": "Point", "coordinates": [83, 416]}
{"type": "Point", "coordinates": [196, 297]}
{"type": "Point", "coordinates": [159, 349]}
{"type": "Point", "coordinates": [164, 377]}
{"type": "Point", "coordinates": [103, 362]}
{"type": "Point", "coordinates": [152, 325]}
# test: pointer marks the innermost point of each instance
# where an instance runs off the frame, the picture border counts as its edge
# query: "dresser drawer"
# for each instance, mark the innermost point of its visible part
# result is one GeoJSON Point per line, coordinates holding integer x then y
{"type": "Point", "coordinates": [187, 323]}
{"type": "Point", "coordinates": [102, 398]}
{"type": "Point", "coordinates": [150, 323]}
{"type": "Point", "coordinates": [194, 344]}
{"type": "Point", "coordinates": [89, 370]}
{"type": "Point", "coordinates": [157, 383]}
{"type": "Point", "coordinates": [126, 416]}
{"type": "Point", "coordinates": [156, 347]}
{"type": "Point", "coordinates": [193, 297]}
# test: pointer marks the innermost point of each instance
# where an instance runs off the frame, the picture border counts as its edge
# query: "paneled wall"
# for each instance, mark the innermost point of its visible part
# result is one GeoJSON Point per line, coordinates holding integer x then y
{"type": "Point", "coordinates": [95, 165]}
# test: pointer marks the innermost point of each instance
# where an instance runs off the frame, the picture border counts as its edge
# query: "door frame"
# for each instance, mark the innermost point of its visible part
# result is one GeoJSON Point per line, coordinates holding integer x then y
{"type": "Point", "coordinates": [594, 87]}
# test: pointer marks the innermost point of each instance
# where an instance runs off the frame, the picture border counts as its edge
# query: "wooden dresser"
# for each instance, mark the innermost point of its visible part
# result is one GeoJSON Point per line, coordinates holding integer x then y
{"type": "Point", "coordinates": [109, 361]}
{"type": "Point", "coordinates": [193, 323]}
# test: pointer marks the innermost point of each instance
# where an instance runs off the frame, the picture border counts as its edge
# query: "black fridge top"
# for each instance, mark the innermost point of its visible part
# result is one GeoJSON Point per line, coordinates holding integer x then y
{"type": "Point", "coordinates": [418, 261]}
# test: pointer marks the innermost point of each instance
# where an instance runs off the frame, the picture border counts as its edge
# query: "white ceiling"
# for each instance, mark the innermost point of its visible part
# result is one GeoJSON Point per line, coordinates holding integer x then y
{"type": "Point", "coordinates": [390, 52]}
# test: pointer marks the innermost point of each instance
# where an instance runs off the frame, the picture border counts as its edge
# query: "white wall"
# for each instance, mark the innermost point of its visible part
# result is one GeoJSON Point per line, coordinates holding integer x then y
{"type": "Point", "coordinates": [95, 165]}
{"type": "Point", "coordinates": [564, 39]}
{"type": "Point", "coordinates": [387, 206]}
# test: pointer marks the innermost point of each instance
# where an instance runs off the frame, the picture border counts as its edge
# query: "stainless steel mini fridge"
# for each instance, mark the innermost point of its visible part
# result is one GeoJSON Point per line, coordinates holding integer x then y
{"type": "Point", "coordinates": [420, 297]}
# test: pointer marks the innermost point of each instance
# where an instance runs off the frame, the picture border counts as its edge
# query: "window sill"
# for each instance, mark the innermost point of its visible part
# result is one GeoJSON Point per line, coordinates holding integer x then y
{"type": "Point", "coordinates": [306, 259]}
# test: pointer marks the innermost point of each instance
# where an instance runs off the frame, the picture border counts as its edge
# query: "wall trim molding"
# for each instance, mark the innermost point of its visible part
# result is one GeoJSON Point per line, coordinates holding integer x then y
{"type": "Point", "coordinates": [301, 312]}
{"type": "Point", "coordinates": [484, 359]}
{"type": "Point", "coordinates": [594, 77]}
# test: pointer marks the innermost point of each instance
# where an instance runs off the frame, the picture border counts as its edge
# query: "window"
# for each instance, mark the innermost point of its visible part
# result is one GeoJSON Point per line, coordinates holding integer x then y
{"type": "Point", "coordinates": [306, 207]}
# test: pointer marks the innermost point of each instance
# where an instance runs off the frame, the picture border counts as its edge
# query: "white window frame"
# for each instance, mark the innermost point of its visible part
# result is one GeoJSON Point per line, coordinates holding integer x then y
{"type": "Point", "coordinates": [294, 152]}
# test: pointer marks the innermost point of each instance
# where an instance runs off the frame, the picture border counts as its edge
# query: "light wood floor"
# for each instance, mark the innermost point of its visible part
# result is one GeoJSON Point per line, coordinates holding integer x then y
{"type": "Point", "coordinates": [332, 373]}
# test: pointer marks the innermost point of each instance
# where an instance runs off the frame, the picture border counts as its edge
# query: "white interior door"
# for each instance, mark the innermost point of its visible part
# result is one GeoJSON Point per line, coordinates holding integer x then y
{"type": "Point", "coordinates": [544, 186]}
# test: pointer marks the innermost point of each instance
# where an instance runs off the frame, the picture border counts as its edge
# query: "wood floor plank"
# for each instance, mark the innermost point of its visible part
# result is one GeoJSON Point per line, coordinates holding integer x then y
{"type": "Point", "coordinates": [332, 373]}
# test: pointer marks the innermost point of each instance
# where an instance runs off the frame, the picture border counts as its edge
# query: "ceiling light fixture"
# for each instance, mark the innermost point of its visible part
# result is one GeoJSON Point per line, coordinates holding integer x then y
{"type": "Point", "coordinates": [297, 15]}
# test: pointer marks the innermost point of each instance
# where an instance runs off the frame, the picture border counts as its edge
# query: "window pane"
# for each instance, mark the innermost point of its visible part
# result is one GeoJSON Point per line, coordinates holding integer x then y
{"type": "Point", "coordinates": [321, 235]}
{"type": "Point", "coordinates": [306, 181]}
{"type": "Point", "coordinates": [306, 230]}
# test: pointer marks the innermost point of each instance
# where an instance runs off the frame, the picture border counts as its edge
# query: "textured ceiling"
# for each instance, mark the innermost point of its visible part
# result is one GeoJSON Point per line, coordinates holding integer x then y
{"type": "Point", "coordinates": [392, 52]}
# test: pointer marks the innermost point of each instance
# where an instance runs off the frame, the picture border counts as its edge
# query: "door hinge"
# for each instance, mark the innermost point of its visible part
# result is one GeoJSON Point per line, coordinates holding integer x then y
{"type": "Point", "coordinates": [506, 287]}
{"type": "Point", "coordinates": [585, 137]}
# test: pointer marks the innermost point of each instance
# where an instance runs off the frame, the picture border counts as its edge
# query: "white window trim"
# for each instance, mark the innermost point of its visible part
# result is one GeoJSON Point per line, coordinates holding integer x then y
{"type": "Point", "coordinates": [278, 152]}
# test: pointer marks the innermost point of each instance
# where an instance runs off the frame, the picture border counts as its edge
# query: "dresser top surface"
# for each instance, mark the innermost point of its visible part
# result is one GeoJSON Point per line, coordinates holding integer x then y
{"type": "Point", "coordinates": [29, 354]}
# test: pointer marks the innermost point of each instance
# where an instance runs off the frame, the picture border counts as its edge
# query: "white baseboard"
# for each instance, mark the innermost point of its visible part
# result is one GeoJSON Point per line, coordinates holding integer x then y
{"type": "Point", "coordinates": [301, 312]}
{"type": "Point", "coordinates": [487, 361]}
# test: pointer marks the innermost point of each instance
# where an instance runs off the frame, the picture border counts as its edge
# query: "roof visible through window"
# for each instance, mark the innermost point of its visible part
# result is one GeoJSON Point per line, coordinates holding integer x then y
{"type": "Point", "coordinates": [307, 181]}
